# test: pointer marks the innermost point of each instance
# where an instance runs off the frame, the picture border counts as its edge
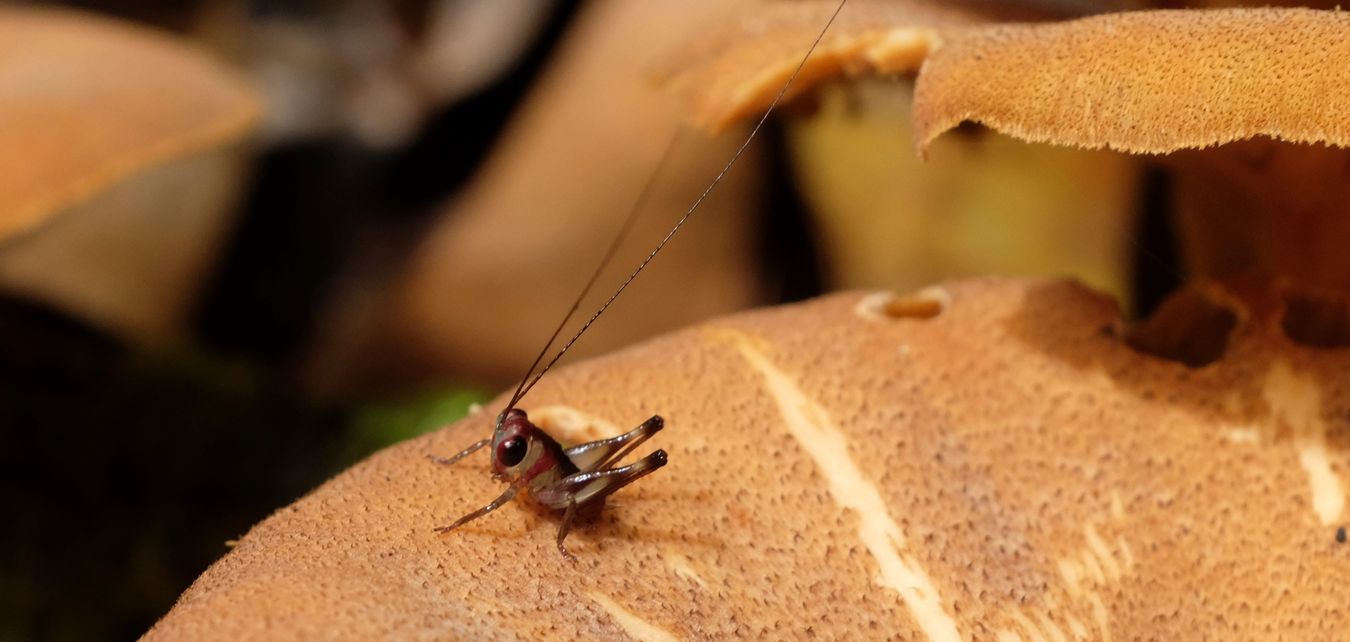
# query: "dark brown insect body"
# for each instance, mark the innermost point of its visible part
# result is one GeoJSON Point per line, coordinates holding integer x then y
{"type": "Point", "coordinates": [560, 478]}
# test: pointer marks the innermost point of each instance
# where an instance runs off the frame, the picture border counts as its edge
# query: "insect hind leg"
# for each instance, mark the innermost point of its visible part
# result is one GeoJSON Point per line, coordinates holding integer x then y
{"type": "Point", "coordinates": [596, 455]}
{"type": "Point", "coordinates": [588, 490]}
{"type": "Point", "coordinates": [595, 485]}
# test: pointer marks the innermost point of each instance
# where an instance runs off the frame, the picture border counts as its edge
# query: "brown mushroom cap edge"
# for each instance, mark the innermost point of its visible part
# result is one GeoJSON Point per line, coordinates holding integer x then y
{"type": "Point", "coordinates": [86, 102]}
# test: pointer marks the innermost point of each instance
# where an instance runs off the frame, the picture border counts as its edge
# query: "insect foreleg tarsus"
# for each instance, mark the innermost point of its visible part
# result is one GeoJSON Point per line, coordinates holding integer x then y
{"type": "Point", "coordinates": [461, 454]}
{"type": "Point", "coordinates": [505, 497]}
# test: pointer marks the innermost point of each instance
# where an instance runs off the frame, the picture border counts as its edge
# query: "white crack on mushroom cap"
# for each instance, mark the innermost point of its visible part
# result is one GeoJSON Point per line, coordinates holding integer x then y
{"type": "Point", "coordinates": [1023, 475]}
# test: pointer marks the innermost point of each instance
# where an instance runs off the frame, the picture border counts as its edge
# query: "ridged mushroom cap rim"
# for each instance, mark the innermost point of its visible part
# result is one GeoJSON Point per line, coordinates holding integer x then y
{"type": "Point", "coordinates": [736, 69]}
{"type": "Point", "coordinates": [1147, 82]}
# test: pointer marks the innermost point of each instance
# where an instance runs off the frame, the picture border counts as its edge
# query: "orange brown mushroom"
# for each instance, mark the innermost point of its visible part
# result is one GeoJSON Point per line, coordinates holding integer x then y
{"type": "Point", "coordinates": [1004, 470]}
{"type": "Point", "coordinates": [128, 133]}
{"type": "Point", "coordinates": [881, 217]}
{"type": "Point", "coordinates": [1263, 85]}
{"type": "Point", "coordinates": [989, 460]}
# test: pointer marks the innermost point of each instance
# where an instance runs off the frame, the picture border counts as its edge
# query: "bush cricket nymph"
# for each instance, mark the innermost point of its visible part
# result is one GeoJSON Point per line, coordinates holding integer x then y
{"type": "Point", "coordinates": [582, 476]}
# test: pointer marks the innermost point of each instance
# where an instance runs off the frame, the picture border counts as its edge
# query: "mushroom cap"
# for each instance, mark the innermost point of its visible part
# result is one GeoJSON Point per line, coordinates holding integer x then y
{"type": "Point", "coordinates": [86, 102]}
{"type": "Point", "coordinates": [1147, 82]}
{"type": "Point", "coordinates": [977, 461]}
{"type": "Point", "coordinates": [1143, 82]}
{"type": "Point", "coordinates": [738, 68]}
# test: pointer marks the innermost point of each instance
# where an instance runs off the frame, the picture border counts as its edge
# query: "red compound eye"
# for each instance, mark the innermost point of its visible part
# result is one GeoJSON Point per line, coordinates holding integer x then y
{"type": "Point", "coordinates": [511, 451]}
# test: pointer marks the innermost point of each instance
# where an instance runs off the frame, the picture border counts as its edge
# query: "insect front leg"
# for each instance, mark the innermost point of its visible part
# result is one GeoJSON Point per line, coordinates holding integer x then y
{"type": "Point", "coordinates": [461, 454]}
{"type": "Point", "coordinates": [505, 497]}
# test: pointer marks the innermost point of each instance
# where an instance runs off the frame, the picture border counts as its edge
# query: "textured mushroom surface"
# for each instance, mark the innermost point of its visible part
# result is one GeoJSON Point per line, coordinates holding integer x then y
{"type": "Point", "coordinates": [1147, 82]}
{"type": "Point", "coordinates": [1144, 81]}
{"type": "Point", "coordinates": [997, 466]}
{"type": "Point", "coordinates": [86, 101]}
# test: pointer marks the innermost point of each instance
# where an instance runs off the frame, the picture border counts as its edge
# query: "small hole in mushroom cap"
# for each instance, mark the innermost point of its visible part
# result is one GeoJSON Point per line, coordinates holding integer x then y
{"type": "Point", "coordinates": [1193, 327]}
{"type": "Point", "coordinates": [1319, 319]}
{"type": "Point", "coordinates": [924, 304]}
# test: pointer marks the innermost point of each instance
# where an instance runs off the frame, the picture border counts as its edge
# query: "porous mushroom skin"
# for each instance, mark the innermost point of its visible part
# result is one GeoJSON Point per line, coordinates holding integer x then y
{"type": "Point", "coordinates": [999, 467]}
{"type": "Point", "coordinates": [1146, 82]}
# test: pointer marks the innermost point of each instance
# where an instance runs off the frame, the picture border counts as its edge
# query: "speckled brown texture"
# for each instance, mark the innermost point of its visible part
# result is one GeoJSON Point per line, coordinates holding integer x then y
{"type": "Point", "coordinates": [86, 101]}
{"type": "Point", "coordinates": [1047, 481]}
{"type": "Point", "coordinates": [1144, 81]}
{"type": "Point", "coordinates": [737, 69]}
{"type": "Point", "coordinates": [1147, 82]}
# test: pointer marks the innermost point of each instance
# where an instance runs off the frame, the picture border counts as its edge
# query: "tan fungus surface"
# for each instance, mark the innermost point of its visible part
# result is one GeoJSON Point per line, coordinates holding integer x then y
{"type": "Point", "coordinates": [1005, 470]}
{"type": "Point", "coordinates": [85, 102]}
{"type": "Point", "coordinates": [1147, 82]}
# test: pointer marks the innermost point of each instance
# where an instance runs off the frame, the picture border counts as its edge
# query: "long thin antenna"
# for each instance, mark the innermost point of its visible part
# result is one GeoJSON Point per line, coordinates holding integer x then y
{"type": "Point", "coordinates": [521, 392]}
{"type": "Point", "coordinates": [619, 236]}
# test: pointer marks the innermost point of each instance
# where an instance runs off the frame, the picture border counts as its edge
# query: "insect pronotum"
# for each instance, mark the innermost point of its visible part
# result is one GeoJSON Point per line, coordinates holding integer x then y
{"type": "Point", "coordinates": [570, 479]}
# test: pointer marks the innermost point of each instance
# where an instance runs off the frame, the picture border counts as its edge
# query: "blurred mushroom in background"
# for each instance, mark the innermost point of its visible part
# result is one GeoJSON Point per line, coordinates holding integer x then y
{"type": "Point", "coordinates": [385, 165]}
{"type": "Point", "coordinates": [373, 70]}
{"type": "Point", "coordinates": [122, 160]}
{"type": "Point", "coordinates": [124, 150]}
{"type": "Point", "coordinates": [503, 261]}
{"type": "Point", "coordinates": [379, 111]}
